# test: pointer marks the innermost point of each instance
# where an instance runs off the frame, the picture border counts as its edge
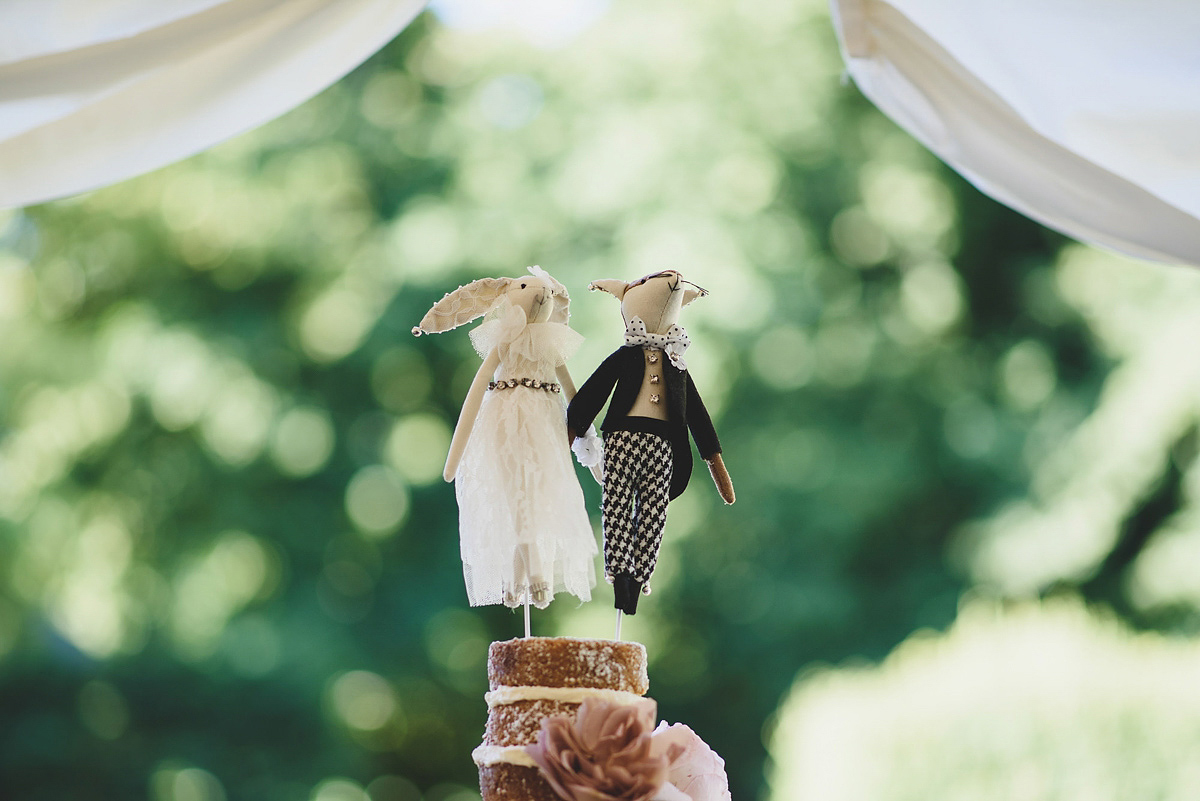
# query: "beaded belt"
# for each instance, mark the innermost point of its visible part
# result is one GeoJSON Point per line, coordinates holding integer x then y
{"type": "Point", "coordinates": [532, 383]}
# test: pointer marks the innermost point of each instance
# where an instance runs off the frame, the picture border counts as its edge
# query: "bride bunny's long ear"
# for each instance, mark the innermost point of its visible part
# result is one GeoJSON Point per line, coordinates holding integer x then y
{"type": "Point", "coordinates": [562, 299]}
{"type": "Point", "coordinates": [462, 305]}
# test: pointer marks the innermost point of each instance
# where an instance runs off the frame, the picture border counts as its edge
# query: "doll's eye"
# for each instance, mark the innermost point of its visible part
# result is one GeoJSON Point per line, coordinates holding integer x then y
{"type": "Point", "coordinates": [522, 286]}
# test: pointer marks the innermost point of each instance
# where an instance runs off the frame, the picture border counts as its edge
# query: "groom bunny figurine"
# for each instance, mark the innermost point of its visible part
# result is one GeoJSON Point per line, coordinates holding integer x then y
{"type": "Point", "coordinates": [647, 457]}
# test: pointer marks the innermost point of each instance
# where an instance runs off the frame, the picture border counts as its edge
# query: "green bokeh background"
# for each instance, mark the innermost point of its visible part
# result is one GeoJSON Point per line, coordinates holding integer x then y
{"type": "Point", "coordinates": [228, 562]}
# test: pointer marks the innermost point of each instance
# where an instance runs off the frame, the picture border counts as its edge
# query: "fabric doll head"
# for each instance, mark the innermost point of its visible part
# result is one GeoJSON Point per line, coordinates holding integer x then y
{"type": "Point", "coordinates": [656, 298]}
{"type": "Point", "coordinates": [541, 297]}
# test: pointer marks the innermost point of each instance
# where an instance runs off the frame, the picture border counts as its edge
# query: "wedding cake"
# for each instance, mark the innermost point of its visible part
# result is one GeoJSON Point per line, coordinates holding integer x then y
{"type": "Point", "coordinates": [568, 719]}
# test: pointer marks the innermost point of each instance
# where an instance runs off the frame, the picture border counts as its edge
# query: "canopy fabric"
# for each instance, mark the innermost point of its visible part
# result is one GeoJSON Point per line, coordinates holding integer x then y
{"type": "Point", "coordinates": [1082, 114]}
{"type": "Point", "coordinates": [96, 91]}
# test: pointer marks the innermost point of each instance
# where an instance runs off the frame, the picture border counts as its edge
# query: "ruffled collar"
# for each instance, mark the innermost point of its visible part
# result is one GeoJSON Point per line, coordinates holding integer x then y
{"type": "Point", "coordinates": [508, 328]}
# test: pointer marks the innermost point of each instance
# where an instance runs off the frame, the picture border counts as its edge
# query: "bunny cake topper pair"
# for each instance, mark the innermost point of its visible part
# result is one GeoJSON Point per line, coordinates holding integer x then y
{"type": "Point", "coordinates": [523, 528]}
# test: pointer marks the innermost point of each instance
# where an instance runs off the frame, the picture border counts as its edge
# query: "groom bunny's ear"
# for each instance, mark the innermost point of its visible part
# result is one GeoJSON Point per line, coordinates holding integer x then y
{"type": "Point", "coordinates": [612, 286]}
{"type": "Point", "coordinates": [692, 293]}
{"type": "Point", "coordinates": [462, 305]}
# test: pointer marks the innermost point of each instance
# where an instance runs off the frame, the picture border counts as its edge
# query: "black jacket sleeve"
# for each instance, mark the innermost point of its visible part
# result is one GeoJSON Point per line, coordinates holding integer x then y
{"type": "Point", "coordinates": [701, 424]}
{"type": "Point", "coordinates": [590, 397]}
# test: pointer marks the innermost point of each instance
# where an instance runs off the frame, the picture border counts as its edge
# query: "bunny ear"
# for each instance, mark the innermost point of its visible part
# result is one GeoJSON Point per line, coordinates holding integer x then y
{"type": "Point", "coordinates": [462, 305]}
{"type": "Point", "coordinates": [612, 286]}
{"type": "Point", "coordinates": [692, 293]}
{"type": "Point", "coordinates": [562, 307]}
{"type": "Point", "coordinates": [562, 299]}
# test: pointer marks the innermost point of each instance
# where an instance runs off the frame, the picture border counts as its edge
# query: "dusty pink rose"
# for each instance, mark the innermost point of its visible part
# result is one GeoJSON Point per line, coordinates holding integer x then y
{"type": "Point", "coordinates": [605, 755]}
{"type": "Point", "coordinates": [696, 770]}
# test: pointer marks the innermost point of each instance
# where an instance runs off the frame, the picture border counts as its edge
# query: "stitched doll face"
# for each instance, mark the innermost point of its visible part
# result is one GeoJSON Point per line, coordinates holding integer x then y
{"type": "Point", "coordinates": [657, 299]}
{"type": "Point", "coordinates": [533, 294]}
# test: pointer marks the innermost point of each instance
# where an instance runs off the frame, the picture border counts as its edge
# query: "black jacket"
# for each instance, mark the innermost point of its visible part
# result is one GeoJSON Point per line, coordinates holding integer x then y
{"type": "Point", "coordinates": [625, 369]}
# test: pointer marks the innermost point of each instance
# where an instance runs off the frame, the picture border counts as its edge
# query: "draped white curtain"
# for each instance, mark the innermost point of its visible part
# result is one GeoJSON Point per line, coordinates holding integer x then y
{"type": "Point", "coordinates": [95, 91]}
{"type": "Point", "coordinates": [1082, 114]}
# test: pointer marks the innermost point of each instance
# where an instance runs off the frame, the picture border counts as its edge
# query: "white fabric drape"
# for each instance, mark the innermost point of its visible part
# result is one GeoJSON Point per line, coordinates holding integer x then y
{"type": "Point", "coordinates": [1082, 114]}
{"type": "Point", "coordinates": [95, 91]}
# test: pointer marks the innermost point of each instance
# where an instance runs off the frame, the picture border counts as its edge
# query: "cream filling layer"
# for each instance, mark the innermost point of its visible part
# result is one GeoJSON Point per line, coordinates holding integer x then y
{"type": "Point", "coordinates": [486, 755]}
{"type": "Point", "coordinates": [567, 695]}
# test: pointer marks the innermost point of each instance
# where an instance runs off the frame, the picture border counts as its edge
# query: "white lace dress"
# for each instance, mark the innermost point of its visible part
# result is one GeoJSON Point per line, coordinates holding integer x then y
{"type": "Point", "coordinates": [522, 521]}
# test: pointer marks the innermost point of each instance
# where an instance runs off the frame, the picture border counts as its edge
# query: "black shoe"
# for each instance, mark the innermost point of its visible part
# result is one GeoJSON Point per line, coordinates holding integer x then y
{"type": "Point", "coordinates": [620, 585]}
{"type": "Point", "coordinates": [626, 592]}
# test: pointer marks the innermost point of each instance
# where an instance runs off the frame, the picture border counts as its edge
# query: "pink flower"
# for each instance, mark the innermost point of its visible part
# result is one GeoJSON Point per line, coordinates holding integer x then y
{"type": "Point", "coordinates": [696, 769]}
{"type": "Point", "coordinates": [609, 754]}
{"type": "Point", "coordinates": [605, 754]}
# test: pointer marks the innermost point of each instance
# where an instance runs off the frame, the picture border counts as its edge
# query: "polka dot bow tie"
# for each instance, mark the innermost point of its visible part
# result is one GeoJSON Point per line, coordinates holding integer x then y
{"type": "Point", "coordinates": [673, 343]}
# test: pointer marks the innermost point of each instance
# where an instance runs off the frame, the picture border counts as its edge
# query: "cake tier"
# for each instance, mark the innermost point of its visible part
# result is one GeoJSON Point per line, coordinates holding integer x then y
{"type": "Point", "coordinates": [568, 662]}
{"type": "Point", "coordinates": [515, 714]}
{"type": "Point", "coordinates": [539, 677]}
{"type": "Point", "coordinates": [501, 782]}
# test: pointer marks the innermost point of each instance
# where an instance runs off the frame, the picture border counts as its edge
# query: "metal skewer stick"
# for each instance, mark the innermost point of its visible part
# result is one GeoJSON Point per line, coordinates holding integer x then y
{"type": "Point", "coordinates": [527, 593]}
{"type": "Point", "coordinates": [617, 636]}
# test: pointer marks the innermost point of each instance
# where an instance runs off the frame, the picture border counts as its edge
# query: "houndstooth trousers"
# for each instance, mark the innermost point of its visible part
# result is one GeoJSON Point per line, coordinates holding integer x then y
{"type": "Point", "coordinates": [637, 480]}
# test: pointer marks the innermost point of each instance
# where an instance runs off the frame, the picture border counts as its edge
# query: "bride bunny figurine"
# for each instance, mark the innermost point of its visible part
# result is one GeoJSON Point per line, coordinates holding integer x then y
{"type": "Point", "coordinates": [524, 531]}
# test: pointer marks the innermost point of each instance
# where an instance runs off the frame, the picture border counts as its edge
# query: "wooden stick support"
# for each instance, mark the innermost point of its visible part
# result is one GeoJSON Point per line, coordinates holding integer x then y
{"type": "Point", "coordinates": [527, 591]}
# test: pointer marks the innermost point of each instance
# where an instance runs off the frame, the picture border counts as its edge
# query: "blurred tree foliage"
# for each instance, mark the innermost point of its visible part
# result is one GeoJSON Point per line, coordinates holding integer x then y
{"type": "Point", "coordinates": [228, 563]}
